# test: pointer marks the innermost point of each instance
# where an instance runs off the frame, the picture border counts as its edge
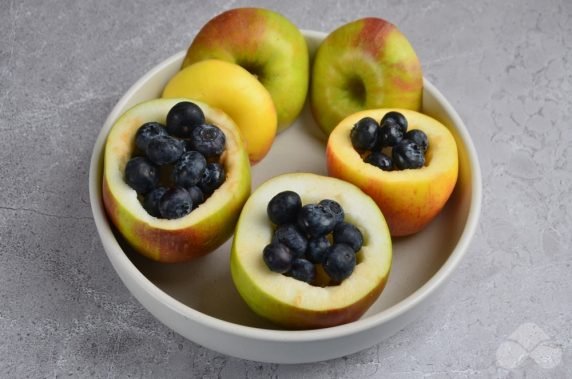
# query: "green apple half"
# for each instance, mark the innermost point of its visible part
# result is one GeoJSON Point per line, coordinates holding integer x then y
{"type": "Point", "coordinates": [199, 232]}
{"type": "Point", "coordinates": [266, 44]}
{"type": "Point", "coordinates": [365, 64]}
{"type": "Point", "coordinates": [299, 305]}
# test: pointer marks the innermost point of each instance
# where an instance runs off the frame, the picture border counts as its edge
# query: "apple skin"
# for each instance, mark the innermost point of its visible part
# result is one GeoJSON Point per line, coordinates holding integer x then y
{"type": "Point", "coordinates": [293, 304]}
{"type": "Point", "coordinates": [292, 317]}
{"type": "Point", "coordinates": [266, 44]}
{"type": "Point", "coordinates": [189, 237]}
{"type": "Point", "coordinates": [409, 199]}
{"type": "Point", "coordinates": [231, 88]}
{"type": "Point", "coordinates": [365, 64]}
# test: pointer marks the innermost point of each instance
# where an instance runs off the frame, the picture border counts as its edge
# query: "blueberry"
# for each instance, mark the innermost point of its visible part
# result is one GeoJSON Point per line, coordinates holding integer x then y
{"type": "Point", "coordinates": [151, 201]}
{"type": "Point", "coordinates": [291, 236]}
{"type": "Point", "coordinates": [303, 270]}
{"type": "Point", "coordinates": [278, 257]}
{"type": "Point", "coordinates": [380, 160]}
{"type": "Point", "coordinates": [348, 234]}
{"type": "Point", "coordinates": [315, 220]}
{"type": "Point", "coordinates": [419, 137]}
{"type": "Point", "coordinates": [334, 208]}
{"type": "Point", "coordinates": [188, 145]}
{"type": "Point", "coordinates": [317, 249]}
{"type": "Point", "coordinates": [141, 174]}
{"type": "Point", "coordinates": [188, 170]}
{"type": "Point", "coordinates": [175, 203]}
{"type": "Point", "coordinates": [164, 150]}
{"type": "Point", "coordinates": [364, 134]}
{"type": "Point", "coordinates": [212, 178]}
{"type": "Point", "coordinates": [147, 132]}
{"type": "Point", "coordinates": [340, 262]}
{"type": "Point", "coordinates": [390, 133]}
{"type": "Point", "coordinates": [196, 195]}
{"type": "Point", "coordinates": [183, 118]}
{"type": "Point", "coordinates": [209, 140]}
{"type": "Point", "coordinates": [283, 208]}
{"type": "Point", "coordinates": [397, 118]}
{"type": "Point", "coordinates": [407, 154]}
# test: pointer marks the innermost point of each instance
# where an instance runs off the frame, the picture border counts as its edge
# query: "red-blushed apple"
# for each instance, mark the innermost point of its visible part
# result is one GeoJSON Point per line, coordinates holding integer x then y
{"type": "Point", "coordinates": [365, 64]}
{"type": "Point", "coordinates": [199, 232]}
{"type": "Point", "coordinates": [266, 44]}
{"type": "Point", "coordinates": [231, 88]}
{"type": "Point", "coordinates": [296, 304]}
{"type": "Point", "coordinates": [409, 199]}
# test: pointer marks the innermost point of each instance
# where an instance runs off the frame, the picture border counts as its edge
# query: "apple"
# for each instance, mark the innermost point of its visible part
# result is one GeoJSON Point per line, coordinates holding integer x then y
{"type": "Point", "coordinates": [266, 44]}
{"type": "Point", "coordinates": [199, 232]}
{"type": "Point", "coordinates": [296, 304]}
{"type": "Point", "coordinates": [365, 64]}
{"type": "Point", "coordinates": [236, 92]}
{"type": "Point", "coordinates": [409, 199]}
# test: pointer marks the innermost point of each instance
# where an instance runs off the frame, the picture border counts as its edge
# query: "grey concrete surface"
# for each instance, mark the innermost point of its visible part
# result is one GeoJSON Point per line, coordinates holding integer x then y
{"type": "Point", "coordinates": [506, 67]}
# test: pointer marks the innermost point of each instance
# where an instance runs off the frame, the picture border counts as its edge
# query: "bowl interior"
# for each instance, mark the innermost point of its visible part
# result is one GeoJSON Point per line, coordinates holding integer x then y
{"type": "Point", "coordinates": [205, 285]}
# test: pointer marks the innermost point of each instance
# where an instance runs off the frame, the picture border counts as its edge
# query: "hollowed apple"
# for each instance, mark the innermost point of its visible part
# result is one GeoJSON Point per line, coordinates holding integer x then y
{"type": "Point", "coordinates": [295, 304]}
{"type": "Point", "coordinates": [409, 199]}
{"type": "Point", "coordinates": [195, 234]}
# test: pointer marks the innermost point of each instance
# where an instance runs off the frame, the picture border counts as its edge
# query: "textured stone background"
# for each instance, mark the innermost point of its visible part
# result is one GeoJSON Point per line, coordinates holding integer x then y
{"type": "Point", "coordinates": [506, 67]}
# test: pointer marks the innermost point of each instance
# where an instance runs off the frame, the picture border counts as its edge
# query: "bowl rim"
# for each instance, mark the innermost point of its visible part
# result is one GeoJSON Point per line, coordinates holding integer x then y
{"type": "Point", "coordinates": [112, 247]}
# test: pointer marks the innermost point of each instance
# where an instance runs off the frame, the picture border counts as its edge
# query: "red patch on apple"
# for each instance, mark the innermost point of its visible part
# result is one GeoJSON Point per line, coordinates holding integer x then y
{"type": "Point", "coordinates": [373, 34]}
{"type": "Point", "coordinates": [405, 83]}
{"type": "Point", "coordinates": [246, 20]}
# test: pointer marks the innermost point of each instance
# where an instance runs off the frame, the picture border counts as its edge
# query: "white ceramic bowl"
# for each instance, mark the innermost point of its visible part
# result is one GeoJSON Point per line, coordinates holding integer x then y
{"type": "Point", "coordinates": [198, 299]}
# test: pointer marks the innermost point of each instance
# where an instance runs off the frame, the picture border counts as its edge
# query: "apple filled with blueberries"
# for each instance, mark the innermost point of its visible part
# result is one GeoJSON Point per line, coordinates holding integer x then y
{"type": "Point", "coordinates": [310, 251]}
{"type": "Point", "coordinates": [176, 175]}
{"type": "Point", "coordinates": [407, 162]}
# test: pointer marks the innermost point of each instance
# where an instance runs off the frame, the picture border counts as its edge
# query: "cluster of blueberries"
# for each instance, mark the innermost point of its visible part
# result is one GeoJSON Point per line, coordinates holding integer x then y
{"type": "Point", "coordinates": [310, 235]}
{"type": "Point", "coordinates": [407, 147]}
{"type": "Point", "coordinates": [176, 166]}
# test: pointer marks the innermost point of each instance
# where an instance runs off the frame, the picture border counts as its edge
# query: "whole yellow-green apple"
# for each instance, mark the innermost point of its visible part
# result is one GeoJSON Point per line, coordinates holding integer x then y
{"type": "Point", "coordinates": [231, 88]}
{"type": "Point", "coordinates": [365, 64]}
{"type": "Point", "coordinates": [266, 44]}
{"type": "Point", "coordinates": [296, 304]}
{"type": "Point", "coordinates": [199, 232]}
{"type": "Point", "coordinates": [409, 199]}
